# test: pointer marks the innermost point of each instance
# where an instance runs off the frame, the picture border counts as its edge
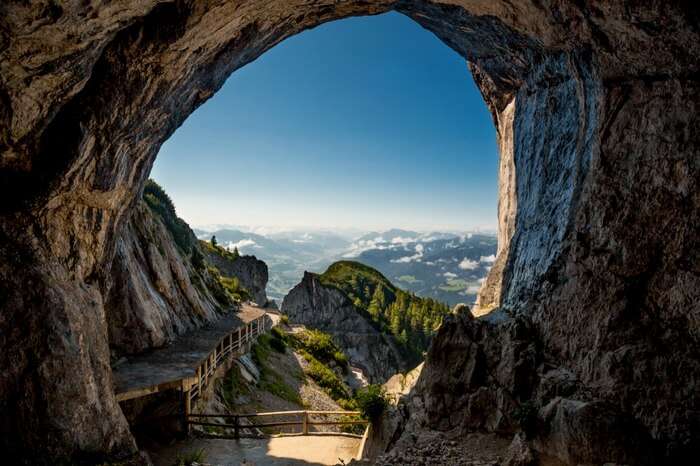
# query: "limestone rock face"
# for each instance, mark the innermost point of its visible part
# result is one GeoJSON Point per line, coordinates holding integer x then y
{"type": "Point", "coordinates": [596, 108]}
{"type": "Point", "coordinates": [251, 272]}
{"type": "Point", "coordinates": [152, 297]}
{"type": "Point", "coordinates": [329, 310]}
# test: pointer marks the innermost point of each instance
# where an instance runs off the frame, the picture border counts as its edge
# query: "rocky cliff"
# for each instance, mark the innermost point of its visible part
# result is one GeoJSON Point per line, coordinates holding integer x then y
{"type": "Point", "coordinates": [156, 292]}
{"type": "Point", "coordinates": [328, 309]}
{"type": "Point", "coordinates": [596, 107]}
{"type": "Point", "coordinates": [251, 272]}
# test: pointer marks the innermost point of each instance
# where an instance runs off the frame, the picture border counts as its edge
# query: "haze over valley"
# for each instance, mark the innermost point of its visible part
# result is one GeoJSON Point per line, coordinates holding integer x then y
{"type": "Point", "coordinates": [447, 266]}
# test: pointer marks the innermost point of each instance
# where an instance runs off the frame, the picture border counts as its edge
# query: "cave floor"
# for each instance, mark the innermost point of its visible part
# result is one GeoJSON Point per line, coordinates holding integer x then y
{"type": "Point", "coordinates": [179, 360]}
{"type": "Point", "coordinates": [284, 450]}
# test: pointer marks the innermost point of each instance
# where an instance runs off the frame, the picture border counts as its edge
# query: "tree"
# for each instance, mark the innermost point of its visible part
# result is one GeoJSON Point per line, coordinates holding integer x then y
{"type": "Point", "coordinates": [213, 241]}
{"type": "Point", "coordinates": [236, 254]}
{"type": "Point", "coordinates": [376, 306]}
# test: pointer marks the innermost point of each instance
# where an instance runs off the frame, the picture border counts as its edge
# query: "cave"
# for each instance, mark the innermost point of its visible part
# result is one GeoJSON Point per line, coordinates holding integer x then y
{"type": "Point", "coordinates": [595, 107]}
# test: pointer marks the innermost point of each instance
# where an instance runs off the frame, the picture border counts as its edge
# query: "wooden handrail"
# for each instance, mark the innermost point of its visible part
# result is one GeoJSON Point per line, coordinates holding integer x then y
{"type": "Point", "coordinates": [304, 422]}
{"type": "Point", "coordinates": [280, 413]}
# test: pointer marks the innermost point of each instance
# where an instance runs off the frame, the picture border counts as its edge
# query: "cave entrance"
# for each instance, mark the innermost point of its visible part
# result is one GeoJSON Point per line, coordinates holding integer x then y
{"type": "Point", "coordinates": [366, 124]}
{"type": "Point", "coordinates": [364, 139]}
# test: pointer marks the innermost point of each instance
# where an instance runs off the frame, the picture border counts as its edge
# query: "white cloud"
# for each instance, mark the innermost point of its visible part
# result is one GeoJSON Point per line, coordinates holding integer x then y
{"type": "Point", "coordinates": [416, 257]}
{"type": "Point", "coordinates": [450, 275]}
{"type": "Point", "coordinates": [462, 239]}
{"type": "Point", "coordinates": [467, 264]}
{"type": "Point", "coordinates": [401, 240]}
{"type": "Point", "coordinates": [242, 244]}
{"type": "Point", "coordinates": [488, 259]}
{"type": "Point", "coordinates": [358, 247]}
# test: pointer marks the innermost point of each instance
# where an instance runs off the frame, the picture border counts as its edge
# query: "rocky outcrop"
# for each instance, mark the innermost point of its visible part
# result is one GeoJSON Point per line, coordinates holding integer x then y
{"type": "Point", "coordinates": [493, 375]}
{"type": "Point", "coordinates": [156, 292]}
{"type": "Point", "coordinates": [329, 310]}
{"type": "Point", "coordinates": [596, 101]}
{"type": "Point", "coordinates": [251, 272]}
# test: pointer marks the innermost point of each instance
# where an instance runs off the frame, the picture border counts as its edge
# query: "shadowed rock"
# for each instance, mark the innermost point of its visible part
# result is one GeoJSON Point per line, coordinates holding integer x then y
{"type": "Point", "coordinates": [596, 108]}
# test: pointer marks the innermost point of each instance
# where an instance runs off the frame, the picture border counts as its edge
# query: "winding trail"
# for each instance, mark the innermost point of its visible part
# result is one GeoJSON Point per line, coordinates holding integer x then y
{"type": "Point", "coordinates": [166, 367]}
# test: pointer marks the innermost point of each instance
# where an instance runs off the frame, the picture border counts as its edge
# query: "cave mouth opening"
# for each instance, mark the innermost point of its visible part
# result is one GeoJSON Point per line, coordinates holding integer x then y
{"type": "Point", "coordinates": [358, 127]}
{"type": "Point", "coordinates": [577, 105]}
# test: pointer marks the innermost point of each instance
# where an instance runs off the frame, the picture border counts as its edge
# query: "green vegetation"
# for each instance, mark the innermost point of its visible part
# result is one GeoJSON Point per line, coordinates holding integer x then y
{"type": "Point", "coordinates": [194, 456]}
{"type": "Point", "coordinates": [229, 286]}
{"type": "Point", "coordinates": [320, 345]}
{"type": "Point", "coordinates": [270, 380]}
{"type": "Point", "coordinates": [325, 378]}
{"type": "Point", "coordinates": [220, 250]}
{"type": "Point", "coordinates": [410, 319]}
{"type": "Point", "coordinates": [160, 203]}
{"type": "Point", "coordinates": [278, 340]}
{"type": "Point", "coordinates": [372, 401]}
{"type": "Point", "coordinates": [233, 386]}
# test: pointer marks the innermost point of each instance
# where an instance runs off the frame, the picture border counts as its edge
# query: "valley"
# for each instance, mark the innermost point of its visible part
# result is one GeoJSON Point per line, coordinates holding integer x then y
{"type": "Point", "coordinates": [448, 267]}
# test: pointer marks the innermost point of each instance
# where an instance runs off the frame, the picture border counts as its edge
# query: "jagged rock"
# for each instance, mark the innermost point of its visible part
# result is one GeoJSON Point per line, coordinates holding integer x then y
{"type": "Point", "coordinates": [596, 108]}
{"type": "Point", "coordinates": [251, 272]}
{"type": "Point", "coordinates": [519, 453]}
{"type": "Point", "coordinates": [578, 432]}
{"type": "Point", "coordinates": [328, 309]}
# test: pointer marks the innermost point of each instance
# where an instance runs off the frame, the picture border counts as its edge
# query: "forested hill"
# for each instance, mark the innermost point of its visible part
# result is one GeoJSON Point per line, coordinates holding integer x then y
{"type": "Point", "coordinates": [410, 319]}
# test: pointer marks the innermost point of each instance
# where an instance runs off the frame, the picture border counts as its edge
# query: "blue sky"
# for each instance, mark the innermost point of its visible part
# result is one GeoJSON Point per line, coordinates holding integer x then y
{"type": "Point", "coordinates": [364, 123]}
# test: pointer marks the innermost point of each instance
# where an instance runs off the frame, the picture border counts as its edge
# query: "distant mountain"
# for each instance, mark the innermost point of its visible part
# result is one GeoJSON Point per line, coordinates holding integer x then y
{"type": "Point", "coordinates": [445, 266]}
{"type": "Point", "coordinates": [287, 254]}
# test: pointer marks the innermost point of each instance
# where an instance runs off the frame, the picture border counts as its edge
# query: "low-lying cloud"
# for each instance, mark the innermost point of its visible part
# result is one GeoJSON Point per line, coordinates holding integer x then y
{"type": "Point", "coordinates": [467, 264]}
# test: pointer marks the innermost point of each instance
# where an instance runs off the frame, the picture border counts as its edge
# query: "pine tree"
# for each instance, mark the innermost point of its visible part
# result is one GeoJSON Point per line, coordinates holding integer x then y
{"type": "Point", "coordinates": [213, 241]}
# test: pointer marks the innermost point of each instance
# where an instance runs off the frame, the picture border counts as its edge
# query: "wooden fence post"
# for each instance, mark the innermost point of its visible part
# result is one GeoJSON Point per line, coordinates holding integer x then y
{"type": "Point", "coordinates": [235, 427]}
{"type": "Point", "coordinates": [305, 424]}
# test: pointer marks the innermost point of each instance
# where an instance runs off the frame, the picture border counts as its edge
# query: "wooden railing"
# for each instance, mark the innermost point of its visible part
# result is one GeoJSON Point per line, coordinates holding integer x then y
{"type": "Point", "coordinates": [234, 343]}
{"type": "Point", "coordinates": [304, 419]}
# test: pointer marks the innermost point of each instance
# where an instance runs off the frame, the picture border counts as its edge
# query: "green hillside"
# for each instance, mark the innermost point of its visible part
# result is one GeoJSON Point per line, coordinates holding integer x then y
{"type": "Point", "coordinates": [410, 319]}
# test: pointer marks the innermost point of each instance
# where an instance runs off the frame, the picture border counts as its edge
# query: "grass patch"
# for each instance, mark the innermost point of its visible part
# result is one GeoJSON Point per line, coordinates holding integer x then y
{"type": "Point", "coordinates": [325, 377]}
{"type": "Point", "coordinates": [187, 459]}
{"type": "Point", "coordinates": [320, 345]}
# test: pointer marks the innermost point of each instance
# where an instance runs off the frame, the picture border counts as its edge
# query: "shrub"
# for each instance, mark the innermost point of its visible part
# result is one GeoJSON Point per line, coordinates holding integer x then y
{"type": "Point", "coordinates": [371, 401]}
{"type": "Point", "coordinates": [278, 345]}
{"type": "Point", "coordinates": [160, 203]}
{"type": "Point", "coordinates": [321, 346]}
{"type": "Point", "coordinates": [284, 319]}
{"type": "Point", "coordinates": [326, 378]}
{"type": "Point", "coordinates": [194, 456]}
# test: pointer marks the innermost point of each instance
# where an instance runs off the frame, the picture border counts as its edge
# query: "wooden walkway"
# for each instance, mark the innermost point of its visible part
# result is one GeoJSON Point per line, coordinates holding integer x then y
{"type": "Point", "coordinates": [188, 362]}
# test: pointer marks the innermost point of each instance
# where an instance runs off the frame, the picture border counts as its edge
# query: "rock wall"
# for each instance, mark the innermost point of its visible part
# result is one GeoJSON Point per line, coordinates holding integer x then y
{"type": "Point", "coordinates": [329, 310]}
{"type": "Point", "coordinates": [155, 292]}
{"type": "Point", "coordinates": [251, 272]}
{"type": "Point", "coordinates": [598, 213]}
